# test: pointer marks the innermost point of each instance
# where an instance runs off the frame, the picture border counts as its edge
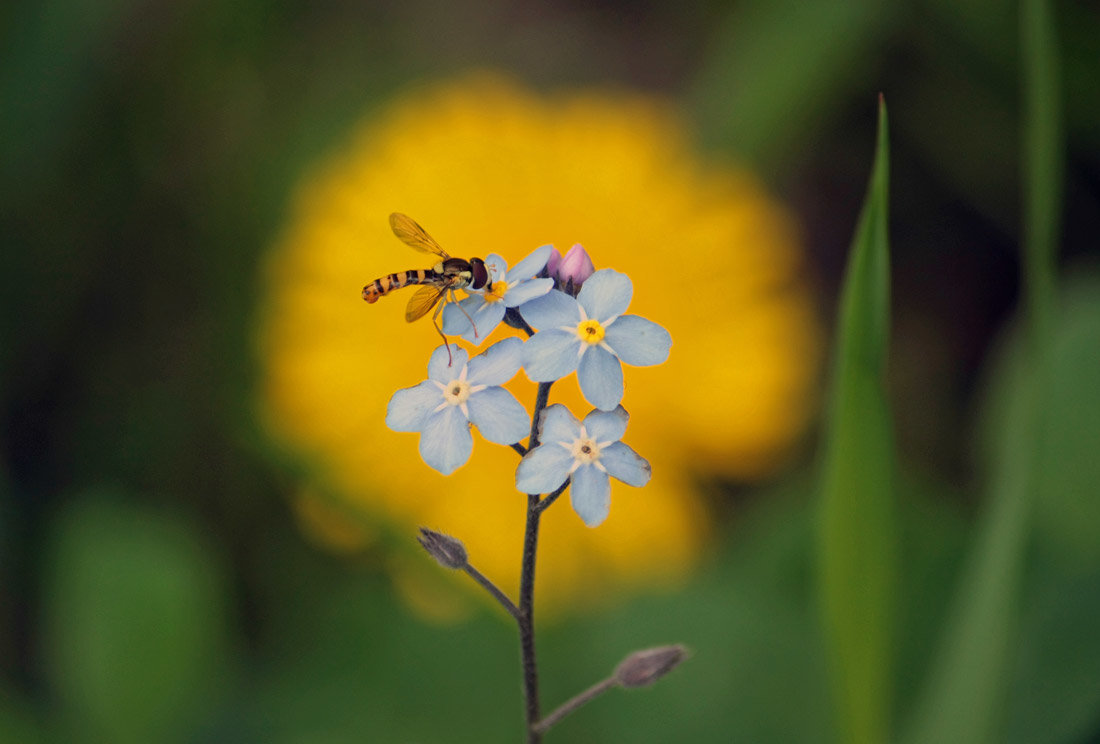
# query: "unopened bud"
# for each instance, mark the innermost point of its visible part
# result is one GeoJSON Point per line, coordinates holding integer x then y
{"type": "Point", "coordinates": [575, 267]}
{"type": "Point", "coordinates": [645, 667]}
{"type": "Point", "coordinates": [450, 552]}
{"type": "Point", "coordinates": [552, 264]}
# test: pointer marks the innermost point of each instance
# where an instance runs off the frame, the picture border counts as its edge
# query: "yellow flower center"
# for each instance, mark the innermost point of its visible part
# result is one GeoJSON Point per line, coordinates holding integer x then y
{"type": "Point", "coordinates": [497, 293]}
{"type": "Point", "coordinates": [457, 392]}
{"type": "Point", "coordinates": [590, 331]}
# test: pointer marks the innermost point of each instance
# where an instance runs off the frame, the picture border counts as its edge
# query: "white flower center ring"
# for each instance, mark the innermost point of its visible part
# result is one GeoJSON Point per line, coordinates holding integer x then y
{"type": "Point", "coordinates": [585, 450]}
{"type": "Point", "coordinates": [457, 392]}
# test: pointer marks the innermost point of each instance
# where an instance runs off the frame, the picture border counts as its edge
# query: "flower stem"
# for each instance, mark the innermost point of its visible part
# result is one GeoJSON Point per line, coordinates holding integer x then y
{"type": "Point", "coordinates": [553, 496]}
{"type": "Point", "coordinates": [541, 399]}
{"type": "Point", "coordinates": [575, 702]}
{"type": "Point", "coordinates": [514, 319]}
{"type": "Point", "coordinates": [526, 617]}
{"type": "Point", "coordinates": [492, 588]}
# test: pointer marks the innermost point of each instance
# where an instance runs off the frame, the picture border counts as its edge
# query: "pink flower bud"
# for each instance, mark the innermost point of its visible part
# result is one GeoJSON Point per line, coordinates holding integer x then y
{"type": "Point", "coordinates": [553, 263]}
{"type": "Point", "coordinates": [576, 266]}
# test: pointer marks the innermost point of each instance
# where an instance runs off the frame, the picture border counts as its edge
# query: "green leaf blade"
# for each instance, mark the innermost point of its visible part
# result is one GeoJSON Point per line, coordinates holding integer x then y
{"type": "Point", "coordinates": [858, 522]}
{"type": "Point", "coordinates": [1043, 160]}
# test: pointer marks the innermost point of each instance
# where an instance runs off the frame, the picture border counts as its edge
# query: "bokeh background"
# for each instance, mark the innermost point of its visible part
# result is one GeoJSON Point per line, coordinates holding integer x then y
{"type": "Point", "coordinates": [182, 560]}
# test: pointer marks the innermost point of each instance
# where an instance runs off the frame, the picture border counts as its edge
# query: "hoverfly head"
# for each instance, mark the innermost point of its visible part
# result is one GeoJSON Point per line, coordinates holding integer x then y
{"type": "Point", "coordinates": [480, 275]}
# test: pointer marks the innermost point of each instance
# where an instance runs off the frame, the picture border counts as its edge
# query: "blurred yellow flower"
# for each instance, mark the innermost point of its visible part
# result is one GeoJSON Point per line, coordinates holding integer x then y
{"type": "Point", "coordinates": [489, 167]}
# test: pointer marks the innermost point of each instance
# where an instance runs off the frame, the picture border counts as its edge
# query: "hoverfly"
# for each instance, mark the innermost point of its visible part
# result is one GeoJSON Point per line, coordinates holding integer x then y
{"type": "Point", "coordinates": [439, 283]}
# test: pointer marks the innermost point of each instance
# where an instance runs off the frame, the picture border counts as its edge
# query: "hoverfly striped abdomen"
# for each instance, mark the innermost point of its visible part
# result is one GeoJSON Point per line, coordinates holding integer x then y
{"type": "Point", "coordinates": [386, 284]}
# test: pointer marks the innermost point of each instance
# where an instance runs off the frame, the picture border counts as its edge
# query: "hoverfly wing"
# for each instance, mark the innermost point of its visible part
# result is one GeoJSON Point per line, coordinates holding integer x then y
{"type": "Point", "coordinates": [414, 236]}
{"type": "Point", "coordinates": [421, 303]}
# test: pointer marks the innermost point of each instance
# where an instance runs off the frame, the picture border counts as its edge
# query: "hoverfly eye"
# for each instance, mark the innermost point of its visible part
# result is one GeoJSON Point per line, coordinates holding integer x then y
{"type": "Point", "coordinates": [481, 274]}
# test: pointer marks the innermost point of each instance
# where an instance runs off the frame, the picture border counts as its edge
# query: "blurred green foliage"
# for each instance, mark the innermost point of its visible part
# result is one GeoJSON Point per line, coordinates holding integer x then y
{"type": "Point", "coordinates": [135, 624]}
{"type": "Point", "coordinates": [152, 584]}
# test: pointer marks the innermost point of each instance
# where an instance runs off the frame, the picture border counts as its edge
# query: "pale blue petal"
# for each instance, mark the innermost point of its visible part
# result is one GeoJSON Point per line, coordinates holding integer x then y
{"type": "Point", "coordinates": [498, 416]}
{"type": "Point", "coordinates": [557, 424]}
{"type": "Point", "coordinates": [526, 291]}
{"type": "Point", "coordinates": [551, 355]}
{"type": "Point", "coordinates": [606, 426]}
{"type": "Point", "coordinates": [497, 266]}
{"type": "Point", "coordinates": [625, 464]}
{"type": "Point", "coordinates": [409, 408]}
{"type": "Point", "coordinates": [531, 265]}
{"type": "Point", "coordinates": [455, 322]}
{"type": "Point", "coordinates": [591, 494]}
{"type": "Point", "coordinates": [543, 469]}
{"type": "Point", "coordinates": [486, 319]}
{"type": "Point", "coordinates": [600, 376]}
{"type": "Point", "coordinates": [554, 309]}
{"type": "Point", "coordinates": [497, 364]}
{"type": "Point", "coordinates": [638, 341]}
{"type": "Point", "coordinates": [446, 442]}
{"type": "Point", "coordinates": [438, 367]}
{"type": "Point", "coordinates": [606, 294]}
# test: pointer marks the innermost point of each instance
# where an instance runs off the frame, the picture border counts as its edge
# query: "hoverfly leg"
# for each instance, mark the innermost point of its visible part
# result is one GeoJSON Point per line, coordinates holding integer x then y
{"type": "Point", "coordinates": [472, 323]}
{"type": "Point", "coordinates": [435, 322]}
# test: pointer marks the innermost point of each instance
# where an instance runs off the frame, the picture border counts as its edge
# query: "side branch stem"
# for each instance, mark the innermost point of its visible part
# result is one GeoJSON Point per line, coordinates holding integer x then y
{"type": "Point", "coordinates": [575, 702]}
{"type": "Point", "coordinates": [492, 588]}
{"type": "Point", "coordinates": [553, 496]}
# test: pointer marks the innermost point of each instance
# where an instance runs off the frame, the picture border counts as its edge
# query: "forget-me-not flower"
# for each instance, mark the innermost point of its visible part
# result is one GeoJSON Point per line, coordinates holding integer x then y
{"type": "Point", "coordinates": [587, 451]}
{"type": "Point", "coordinates": [509, 289]}
{"type": "Point", "coordinates": [456, 395]}
{"type": "Point", "coordinates": [591, 335]}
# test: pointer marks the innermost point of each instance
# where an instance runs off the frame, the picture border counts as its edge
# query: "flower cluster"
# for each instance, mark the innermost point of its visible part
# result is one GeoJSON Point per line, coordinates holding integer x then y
{"type": "Point", "coordinates": [475, 317]}
{"type": "Point", "coordinates": [575, 320]}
